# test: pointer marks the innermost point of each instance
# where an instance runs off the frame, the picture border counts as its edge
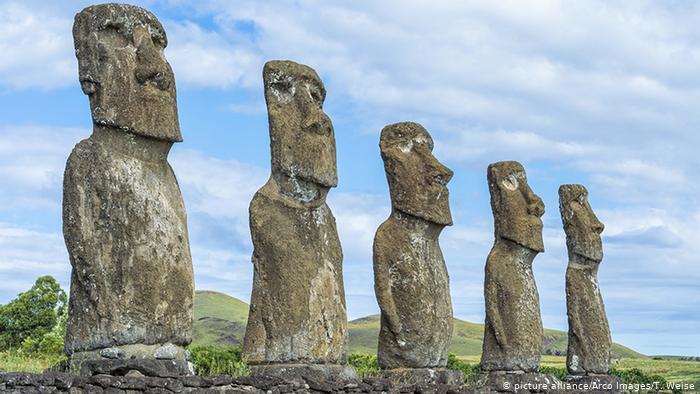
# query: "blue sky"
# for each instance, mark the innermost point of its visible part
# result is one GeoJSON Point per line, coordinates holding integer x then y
{"type": "Point", "coordinates": [588, 92]}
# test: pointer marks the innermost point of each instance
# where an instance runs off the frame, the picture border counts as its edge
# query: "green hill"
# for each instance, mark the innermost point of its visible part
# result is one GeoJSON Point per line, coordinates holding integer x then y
{"type": "Point", "coordinates": [221, 319]}
{"type": "Point", "coordinates": [466, 339]}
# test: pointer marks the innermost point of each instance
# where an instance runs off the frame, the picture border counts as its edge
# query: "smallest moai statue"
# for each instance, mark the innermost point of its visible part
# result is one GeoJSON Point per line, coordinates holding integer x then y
{"type": "Point", "coordinates": [411, 280]}
{"type": "Point", "coordinates": [590, 343]}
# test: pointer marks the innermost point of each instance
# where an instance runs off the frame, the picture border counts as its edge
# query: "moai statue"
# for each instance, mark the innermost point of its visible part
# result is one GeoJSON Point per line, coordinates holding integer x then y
{"type": "Point", "coordinates": [410, 277]}
{"type": "Point", "coordinates": [297, 322]}
{"type": "Point", "coordinates": [590, 343]}
{"type": "Point", "coordinates": [124, 220]}
{"type": "Point", "coordinates": [513, 328]}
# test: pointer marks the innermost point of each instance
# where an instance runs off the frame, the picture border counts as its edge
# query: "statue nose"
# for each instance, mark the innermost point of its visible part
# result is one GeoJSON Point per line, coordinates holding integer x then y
{"type": "Point", "coordinates": [443, 175]}
{"type": "Point", "coordinates": [598, 226]}
{"type": "Point", "coordinates": [318, 123]}
{"type": "Point", "coordinates": [150, 65]}
{"type": "Point", "coordinates": [535, 204]}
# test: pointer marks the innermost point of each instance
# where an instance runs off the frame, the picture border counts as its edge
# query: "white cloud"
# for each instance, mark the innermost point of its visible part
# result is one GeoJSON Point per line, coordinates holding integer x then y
{"type": "Point", "coordinates": [205, 59]}
{"type": "Point", "coordinates": [26, 254]}
{"type": "Point", "coordinates": [32, 160]}
{"type": "Point", "coordinates": [36, 47]}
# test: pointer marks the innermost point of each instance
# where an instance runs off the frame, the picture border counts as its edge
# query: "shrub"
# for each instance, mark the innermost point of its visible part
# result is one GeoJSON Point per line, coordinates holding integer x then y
{"type": "Point", "coordinates": [635, 375]}
{"type": "Point", "coordinates": [218, 360]}
{"type": "Point", "coordinates": [363, 362]}
{"type": "Point", "coordinates": [558, 372]}
{"type": "Point", "coordinates": [470, 370]}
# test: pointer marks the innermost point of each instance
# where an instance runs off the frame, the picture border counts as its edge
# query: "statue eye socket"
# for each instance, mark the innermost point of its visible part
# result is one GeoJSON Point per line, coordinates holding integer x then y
{"type": "Point", "coordinates": [510, 182]}
{"type": "Point", "coordinates": [281, 86]}
{"type": "Point", "coordinates": [112, 37]}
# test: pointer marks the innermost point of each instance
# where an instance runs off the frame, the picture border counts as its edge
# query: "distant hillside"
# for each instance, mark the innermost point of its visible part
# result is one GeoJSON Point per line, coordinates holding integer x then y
{"type": "Point", "coordinates": [221, 319]}
{"type": "Point", "coordinates": [218, 319]}
{"type": "Point", "coordinates": [466, 338]}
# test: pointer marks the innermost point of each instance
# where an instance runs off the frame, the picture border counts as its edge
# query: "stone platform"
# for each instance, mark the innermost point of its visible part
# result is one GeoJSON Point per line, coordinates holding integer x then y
{"type": "Point", "coordinates": [58, 382]}
{"type": "Point", "coordinates": [422, 376]}
{"type": "Point", "coordinates": [316, 372]}
{"type": "Point", "coordinates": [515, 382]}
{"type": "Point", "coordinates": [165, 360]}
{"type": "Point", "coordinates": [593, 383]}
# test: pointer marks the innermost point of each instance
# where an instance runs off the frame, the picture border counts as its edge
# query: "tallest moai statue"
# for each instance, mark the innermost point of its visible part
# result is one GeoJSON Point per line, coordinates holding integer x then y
{"type": "Point", "coordinates": [124, 219]}
{"type": "Point", "coordinates": [297, 317]}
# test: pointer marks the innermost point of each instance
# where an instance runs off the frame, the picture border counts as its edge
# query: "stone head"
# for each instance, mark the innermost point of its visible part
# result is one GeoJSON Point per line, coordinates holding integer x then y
{"type": "Point", "coordinates": [581, 225]}
{"type": "Point", "coordinates": [417, 180]}
{"type": "Point", "coordinates": [123, 70]}
{"type": "Point", "coordinates": [301, 134]}
{"type": "Point", "coordinates": [516, 208]}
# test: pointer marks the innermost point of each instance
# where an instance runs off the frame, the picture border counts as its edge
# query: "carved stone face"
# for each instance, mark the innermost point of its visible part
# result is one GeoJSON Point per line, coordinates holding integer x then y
{"type": "Point", "coordinates": [301, 134]}
{"type": "Point", "coordinates": [417, 180]}
{"type": "Point", "coordinates": [581, 225]}
{"type": "Point", "coordinates": [124, 72]}
{"type": "Point", "coordinates": [516, 208]}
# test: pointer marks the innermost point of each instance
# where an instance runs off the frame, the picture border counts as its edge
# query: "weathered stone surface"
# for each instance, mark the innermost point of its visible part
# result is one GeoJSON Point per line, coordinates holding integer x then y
{"type": "Point", "coordinates": [513, 328]}
{"type": "Point", "coordinates": [593, 384]}
{"type": "Point", "coordinates": [122, 367]}
{"type": "Point", "coordinates": [124, 220]}
{"type": "Point", "coordinates": [112, 352]}
{"type": "Point", "coordinates": [297, 309]}
{"type": "Point", "coordinates": [316, 372]}
{"type": "Point", "coordinates": [34, 383]}
{"type": "Point", "coordinates": [411, 280]}
{"type": "Point", "coordinates": [423, 376]}
{"type": "Point", "coordinates": [516, 382]}
{"type": "Point", "coordinates": [590, 343]}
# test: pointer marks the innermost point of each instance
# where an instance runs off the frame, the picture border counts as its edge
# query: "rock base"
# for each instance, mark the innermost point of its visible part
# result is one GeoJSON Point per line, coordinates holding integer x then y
{"type": "Point", "coordinates": [422, 376]}
{"type": "Point", "coordinates": [57, 382]}
{"type": "Point", "coordinates": [316, 372]}
{"type": "Point", "coordinates": [165, 361]}
{"type": "Point", "coordinates": [516, 382]}
{"type": "Point", "coordinates": [593, 383]}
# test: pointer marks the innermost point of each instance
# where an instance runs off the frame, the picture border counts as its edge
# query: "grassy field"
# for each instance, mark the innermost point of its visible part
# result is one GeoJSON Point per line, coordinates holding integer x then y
{"type": "Point", "coordinates": [218, 319]}
{"type": "Point", "coordinates": [672, 369]}
{"type": "Point", "coordinates": [12, 361]}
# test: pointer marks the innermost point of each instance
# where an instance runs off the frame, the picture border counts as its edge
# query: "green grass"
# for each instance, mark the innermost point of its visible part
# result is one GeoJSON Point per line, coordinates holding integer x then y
{"type": "Point", "coordinates": [16, 361]}
{"type": "Point", "coordinates": [219, 305]}
{"type": "Point", "coordinates": [676, 371]}
{"type": "Point", "coordinates": [219, 319]}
